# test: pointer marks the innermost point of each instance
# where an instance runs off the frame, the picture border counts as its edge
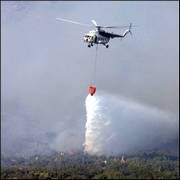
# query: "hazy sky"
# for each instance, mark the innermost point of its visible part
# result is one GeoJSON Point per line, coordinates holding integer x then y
{"type": "Point", "coordinates": [46, 68]}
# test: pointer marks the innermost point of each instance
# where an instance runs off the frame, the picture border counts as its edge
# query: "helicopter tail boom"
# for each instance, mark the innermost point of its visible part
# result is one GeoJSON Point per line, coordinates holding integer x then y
{"type": "Point", "coordinates": [127, 31]}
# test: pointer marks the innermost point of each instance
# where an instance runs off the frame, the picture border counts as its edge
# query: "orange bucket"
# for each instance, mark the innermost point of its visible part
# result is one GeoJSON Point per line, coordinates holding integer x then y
{"type": "Point", "coordinates": [92, 90]}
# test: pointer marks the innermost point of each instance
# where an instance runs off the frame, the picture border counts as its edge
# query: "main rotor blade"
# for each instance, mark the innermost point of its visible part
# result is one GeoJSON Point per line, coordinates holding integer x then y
{"type": "Point", "coordinates": [94, 22]}
{"type": "Point", "coordinates": [116, 27]}
{"type": "Point", "coordinates": [74, 22]}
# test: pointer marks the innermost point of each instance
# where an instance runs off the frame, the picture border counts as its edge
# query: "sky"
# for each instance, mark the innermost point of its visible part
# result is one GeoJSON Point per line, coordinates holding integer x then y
{"type": "Point", "coordinates": [46, 68]}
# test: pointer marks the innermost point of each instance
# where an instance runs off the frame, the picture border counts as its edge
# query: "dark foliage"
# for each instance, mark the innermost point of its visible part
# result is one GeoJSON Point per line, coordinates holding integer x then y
{"type": "Point", "coordinates": [82, 166]}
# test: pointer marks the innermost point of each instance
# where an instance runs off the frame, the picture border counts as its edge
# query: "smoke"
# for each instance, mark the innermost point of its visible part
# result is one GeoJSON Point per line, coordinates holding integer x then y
{"type": "Point", "coordinates": [46, 68]}
{"type": "Point", "coordinates": [120, 125]}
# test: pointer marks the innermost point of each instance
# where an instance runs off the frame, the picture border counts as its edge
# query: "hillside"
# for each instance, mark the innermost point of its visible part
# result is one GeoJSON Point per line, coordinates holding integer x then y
{"type": "Point", "coordinates": [151, 165]}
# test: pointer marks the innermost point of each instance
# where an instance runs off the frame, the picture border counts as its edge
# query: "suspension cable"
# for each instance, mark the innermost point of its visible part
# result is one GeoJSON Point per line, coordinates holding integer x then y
{"type": "Point", "coordinates": [95, 64]}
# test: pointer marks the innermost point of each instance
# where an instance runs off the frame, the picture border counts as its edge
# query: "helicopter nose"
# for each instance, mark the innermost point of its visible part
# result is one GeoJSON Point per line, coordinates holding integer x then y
{"type": "Point", "coordinates": [85, 39]}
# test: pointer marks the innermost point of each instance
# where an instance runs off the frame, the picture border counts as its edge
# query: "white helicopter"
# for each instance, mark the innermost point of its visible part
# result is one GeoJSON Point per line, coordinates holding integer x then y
{"type": "Point", "coordinates": [100, 36]}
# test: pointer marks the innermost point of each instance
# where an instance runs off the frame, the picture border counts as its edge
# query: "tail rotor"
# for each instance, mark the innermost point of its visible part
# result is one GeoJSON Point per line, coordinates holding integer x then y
{"type": "Point", "coordinates": [130, 27]}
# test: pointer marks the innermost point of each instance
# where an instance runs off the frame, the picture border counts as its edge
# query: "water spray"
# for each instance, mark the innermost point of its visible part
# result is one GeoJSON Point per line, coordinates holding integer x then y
{"type": "Point", "coordinates": [117, 125]}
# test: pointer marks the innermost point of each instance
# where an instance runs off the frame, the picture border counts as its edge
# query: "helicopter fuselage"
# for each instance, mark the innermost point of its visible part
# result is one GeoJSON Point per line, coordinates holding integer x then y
{"type": "Point", "coordinates": [99, 36]}
{"type": "Point", "coordinates": [96, 37]}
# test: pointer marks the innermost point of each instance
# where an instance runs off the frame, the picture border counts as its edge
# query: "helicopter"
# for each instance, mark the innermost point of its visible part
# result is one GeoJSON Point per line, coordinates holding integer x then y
{"type": "Point", "coordinates": [99, 35]}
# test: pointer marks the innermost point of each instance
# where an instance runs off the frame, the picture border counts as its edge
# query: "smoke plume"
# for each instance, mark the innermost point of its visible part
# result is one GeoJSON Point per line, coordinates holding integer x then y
{"type": "Point", "coordinates": [46, 69]}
